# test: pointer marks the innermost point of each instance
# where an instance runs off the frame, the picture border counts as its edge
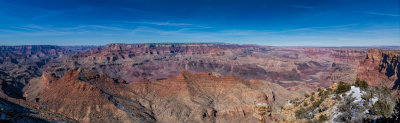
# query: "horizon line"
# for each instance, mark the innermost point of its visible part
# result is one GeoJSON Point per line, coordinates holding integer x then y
{"type": "Point", "coordinates": [304, 46]}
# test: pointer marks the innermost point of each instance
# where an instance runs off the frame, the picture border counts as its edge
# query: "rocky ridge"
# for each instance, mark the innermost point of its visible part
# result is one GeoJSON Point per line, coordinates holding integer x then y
{"type": "Point", "coordinates": [381, 68]}
{"type": "Point", "coordinates": [206, 82]}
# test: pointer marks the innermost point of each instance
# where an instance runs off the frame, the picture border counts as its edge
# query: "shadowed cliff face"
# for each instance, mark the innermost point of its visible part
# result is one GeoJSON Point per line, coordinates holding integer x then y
{"type": "Point", "coordinates": [89, 97]}
{"type": "Point", "coordinates": [381, 68]}
{"type": "Point", "coordinates": [19, 64]}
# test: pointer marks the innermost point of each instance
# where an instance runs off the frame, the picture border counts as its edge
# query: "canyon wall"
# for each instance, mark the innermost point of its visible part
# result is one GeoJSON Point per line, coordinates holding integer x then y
{"type": "Point", "coordinates": [381, 68]}
{"type": "Point", "coordinates": [188, 82]}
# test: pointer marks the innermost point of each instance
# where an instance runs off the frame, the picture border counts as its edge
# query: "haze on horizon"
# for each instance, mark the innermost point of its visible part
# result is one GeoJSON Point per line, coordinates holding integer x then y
{"type": "Point", "coordinates": [264, 22]}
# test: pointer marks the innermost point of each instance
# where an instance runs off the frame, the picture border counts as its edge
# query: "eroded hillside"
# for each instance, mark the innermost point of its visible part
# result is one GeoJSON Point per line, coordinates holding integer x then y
{"type": "Point", "coordinates": [180, 82]}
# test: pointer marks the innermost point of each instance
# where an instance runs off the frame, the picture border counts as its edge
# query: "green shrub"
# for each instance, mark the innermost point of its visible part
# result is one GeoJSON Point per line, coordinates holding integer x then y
{"type": "Point", "coordinates": [382, 108]}
{"type": "Point", "coordinates": [342, 87]}
{"type": "Point", "coordinates": [320, 93]}
{"type": "Point", "coordinates": [306, 95]}
{"type": "Point", "coordinates": [337, 97]}
{"type": "Point", "coordinates": [312, 98]}
{"type": "Point", "coordinates": [317, 103]}
{"type": "Point", "coordinates": [326, 94]}
{"type": "Point", "coordinates": [323, 94]}
{"type": "Point", "coordinates": [303, 113]}
{"type": "Point", "coordinates": [322, 118]}
{"type": "Point", "coordinates": [361, 84]}
{"type": "Point", "coordinates": [367, 96]}
{"type": "Point", "coordinates": [300, 113]}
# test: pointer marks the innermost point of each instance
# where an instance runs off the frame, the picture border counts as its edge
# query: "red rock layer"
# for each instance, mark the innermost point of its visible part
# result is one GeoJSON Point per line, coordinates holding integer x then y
{"type": "Point", "coordinates": [381, 68]}
{"type": "Point", "coordinates": [94, 100]}
{"type": "Point", "coordinates": [89, 97]}
{"type": "Point", "coordinates": [346, 55]}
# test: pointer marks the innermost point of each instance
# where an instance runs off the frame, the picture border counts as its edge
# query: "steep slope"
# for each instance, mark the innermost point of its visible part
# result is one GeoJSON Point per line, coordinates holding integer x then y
{"type": "Point", "coordinates": [209, 98]}
{"type": "Point", "coordinates": [343, 102]}
{"type": "Point", "coordinates": [19, 64]}
{"type": "Point", "coordinates": [206, 97]}
{"type": "Point", "coordinates": [381, 68]}
{"type": "Point", "coordinates": [16, 110]}
{"type": "Point", "coordinates": [88, 101]}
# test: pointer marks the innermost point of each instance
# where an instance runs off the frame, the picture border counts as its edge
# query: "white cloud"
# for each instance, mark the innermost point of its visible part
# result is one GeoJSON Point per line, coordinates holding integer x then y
{"type": "Point", "coordinates": [382, 14]}
{"type": "Point", "coordinates": [159, 23]}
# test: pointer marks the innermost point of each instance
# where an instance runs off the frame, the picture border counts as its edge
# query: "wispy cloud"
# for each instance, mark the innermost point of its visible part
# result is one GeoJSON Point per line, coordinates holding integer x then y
{"type": "Point", "coordinates": [30, 27]}
{"type": "Point", "coordinates": [157, 23]}
{"type": "Point", "coordinates": [382, 14]}
{"type": "Point", "coordinates": [144, 29]}
{"type": "Point", "coordinates": [36, 30]}
{"type": "Point", "coordinates": [301, 6]}
{"type": "Point", "coordinates": [94, 27]}
{"type": "Point", "coordinates": [321, 27]}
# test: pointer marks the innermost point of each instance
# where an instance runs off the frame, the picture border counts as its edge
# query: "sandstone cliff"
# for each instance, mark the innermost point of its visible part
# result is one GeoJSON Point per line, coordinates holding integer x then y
{"type": "Point", "coordinates": [381, 68]}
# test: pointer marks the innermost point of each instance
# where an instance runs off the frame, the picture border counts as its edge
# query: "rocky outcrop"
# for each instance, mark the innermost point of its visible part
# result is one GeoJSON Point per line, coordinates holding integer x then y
{"type": "Point", "coordinates": [16, 110]}
{"type": "Point", "coordinates": [381, 68]}
{"type": "Point", "coordinates": [133, 62]}
{"type": "Point", "coordinates": [89, 97]}
{"type": "Point", "coordinates": [19, 64]}
{"type": "Point", "coordinates": [354, 104]}
{"type": "Point", "coordinates": [206, 97]}
{"type": "Point", "coordinates": [346, 55]}
{"type": "Point", "coordinates": [188, 82]}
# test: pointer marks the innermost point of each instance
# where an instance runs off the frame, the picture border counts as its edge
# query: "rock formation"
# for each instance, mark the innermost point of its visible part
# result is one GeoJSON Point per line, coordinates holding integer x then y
{"type": "Point", "coordinates": [179, 82]}
{"type": "Point", "coordinates": [381, 68]}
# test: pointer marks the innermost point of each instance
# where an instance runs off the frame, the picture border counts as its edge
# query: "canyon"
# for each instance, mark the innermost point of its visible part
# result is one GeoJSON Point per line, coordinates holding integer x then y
{"type": "Point", "coordinates": [177, 82]}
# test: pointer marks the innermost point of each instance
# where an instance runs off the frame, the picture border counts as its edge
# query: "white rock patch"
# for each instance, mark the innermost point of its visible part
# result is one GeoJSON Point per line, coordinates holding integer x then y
{"type": "Point", "coordinates": [356, 93]}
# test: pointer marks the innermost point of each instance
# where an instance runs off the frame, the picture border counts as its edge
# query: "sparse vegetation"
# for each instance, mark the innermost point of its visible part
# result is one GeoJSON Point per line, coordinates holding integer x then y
{"type": "Point", "coordinates": [306, 95]}
{"type": "Point", "coordinates": [350, 111]}
{"type": "Point", "coordinates": [376, 104]}
{"type": "Point", "coordinates": [337, 97]}
{"type": "Point", "coordinates": [361, 84]}
{"type": "Point", "coordinates": [320, 93]}
{"type": "Point", "coordinates": [317, 103]}
{"type": "Point", "coordinates": [367, 96]}
{"type": "Point", "coordinates": [342, 87]}
{"type": "Point", "coordinates": [300, 113]}
{"type": "Point", "coordinates": [382, 108]}
{"type": "Point", "coordinates": [323, 94]}
{"type": "Point", "coordinates": [303, 113]}
{"type": "Point", "coordinates": [322, 118]}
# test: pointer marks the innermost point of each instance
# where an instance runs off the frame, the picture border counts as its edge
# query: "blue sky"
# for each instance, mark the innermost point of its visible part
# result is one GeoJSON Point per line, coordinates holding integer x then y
{"type": "Point", "coordinates": [265, 22]}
